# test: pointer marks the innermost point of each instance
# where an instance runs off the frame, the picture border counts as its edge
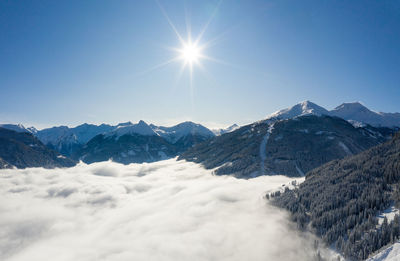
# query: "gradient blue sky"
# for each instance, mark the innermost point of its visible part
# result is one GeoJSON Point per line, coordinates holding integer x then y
{"type": "Point", "coordinates": [69, 62]}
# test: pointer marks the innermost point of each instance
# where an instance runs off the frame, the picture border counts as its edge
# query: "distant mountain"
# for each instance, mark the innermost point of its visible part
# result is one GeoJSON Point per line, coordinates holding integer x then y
{"type": "Point", "coordinates": [289, 147]}
{"type": "Point", "coordinates": [136, 143]}
{"type": "Point", "coordinates": [128, 148]}
{"type": "Point", "coordinates": [141, 128]}
{"type": "Point", "coordinates": [357, 112]}
{"type": "Point", "coordinates": [300, 109]}
{"type": "Point", "coordinates": [226, 130]}
{"type": "Point", "coordinates": [23, 150]}
{"type": "Point", "coordinates": [175, 133]}
{"type": "Point", "coordinates": [344, 201]}
{"type": "Point", "coordinates": [19, 128]}
{"type": "Point", "coordinates": [67, 140]}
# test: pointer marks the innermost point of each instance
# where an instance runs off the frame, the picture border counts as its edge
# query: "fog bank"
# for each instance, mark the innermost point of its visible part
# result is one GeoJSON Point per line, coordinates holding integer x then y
{"type": "Point", "coordinates": [167, 210]}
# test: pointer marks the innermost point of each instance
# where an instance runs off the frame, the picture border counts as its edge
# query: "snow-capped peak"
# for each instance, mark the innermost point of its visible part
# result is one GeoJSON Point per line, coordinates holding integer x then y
{"type": "Point", "coordinates": [180, 130]}
{"type": "Point", "coordinates": [225, 130]}
{"type": "Point", "coordinates": [18, 128]}
{"type": "Point", "coordinates": [141, 128]}
{"type": "Point", "coordinates": [300, 109]}
{"type": "Point", "coordinates": [355, 111]}
{"type": "Point", "coordinates": [122, 124]}
{"type": "Point", "coordinates": [351, 107]}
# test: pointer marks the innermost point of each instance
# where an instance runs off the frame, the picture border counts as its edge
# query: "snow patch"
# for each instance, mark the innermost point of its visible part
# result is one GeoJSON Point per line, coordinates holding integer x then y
{"type": "Point", "coordinates": [389, 213]}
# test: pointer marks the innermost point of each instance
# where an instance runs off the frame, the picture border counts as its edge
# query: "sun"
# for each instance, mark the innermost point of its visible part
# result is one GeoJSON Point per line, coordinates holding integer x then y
{"type": "Point", "coordinates": [192, 50]}
{"type": "Point", "coordinates": [190, 53]}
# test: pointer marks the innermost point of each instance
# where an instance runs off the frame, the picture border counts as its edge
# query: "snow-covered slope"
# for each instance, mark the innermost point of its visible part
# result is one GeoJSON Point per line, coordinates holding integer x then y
{"type": "Point", "coordinates": [54, 135]}
{"type": "Point", "coordinates": [225, 130]}
{"type": "Point", "coordinates": [300, 109]}
{"type": "Point", "coordinates": [175, 133]}
{"type": "Point", "coordinates": [137, 143]}
{"type": "Point", "coordinates": [79, 134]}
{"type": "Point", "coordinates": [355, 111]}
{"type": "Point", "coordinates": [68, 140]}
{"type": "Point", "coordinates": [391, 253]}
{"type": "Point", "coordinates": [85, 132]}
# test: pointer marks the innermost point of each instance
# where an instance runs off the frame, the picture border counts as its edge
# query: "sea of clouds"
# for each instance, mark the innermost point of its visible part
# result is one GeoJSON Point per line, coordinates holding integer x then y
{"type": "Point", "coordinates": [169, 210]}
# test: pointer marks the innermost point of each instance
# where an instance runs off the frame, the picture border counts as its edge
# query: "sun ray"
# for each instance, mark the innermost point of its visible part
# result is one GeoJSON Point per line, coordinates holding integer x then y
{"type": "Point", "coordinates": [179, 75]}
{"type": "Point", "coordinates": [214, 40]}
{"type": "Point", "coordinates": [207, 74]}
{"type": "Point", "coordinates": [191, 49]}
{"type": "Point", "coordinates": [170, 22]}
{"type": "Point", "coordinates": [198, 39]}
{"type": "Point", "coordinates": [188, 25]}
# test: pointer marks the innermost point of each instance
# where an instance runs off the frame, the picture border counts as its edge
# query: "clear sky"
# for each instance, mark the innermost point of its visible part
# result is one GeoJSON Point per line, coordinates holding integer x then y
{"type": "Point", "coordinates": [70, 62]}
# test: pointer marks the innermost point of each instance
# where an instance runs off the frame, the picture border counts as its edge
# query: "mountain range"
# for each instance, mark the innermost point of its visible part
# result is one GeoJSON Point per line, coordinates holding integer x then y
{"type": "Point", "coordinates": [290, 147]}
{"type": "Point", "coordinates": [291, 141]}
{"type": "Point", "coordinates": [143, 143]}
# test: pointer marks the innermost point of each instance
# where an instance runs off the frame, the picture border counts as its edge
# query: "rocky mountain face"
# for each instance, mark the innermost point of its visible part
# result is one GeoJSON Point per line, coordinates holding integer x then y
{"type": "Point", "coordinates": [141, 142]}
{"type": "Point", "coordinates": [344, 201]}
{"type": "Point", "coordinates": [289, 147]}
{"type": "Point", "coordinates": [23, 150]}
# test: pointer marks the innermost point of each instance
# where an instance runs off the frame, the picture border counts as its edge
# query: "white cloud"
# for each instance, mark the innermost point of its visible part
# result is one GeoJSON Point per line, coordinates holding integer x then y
{"type": "Point", "coordinates": [160, 211]}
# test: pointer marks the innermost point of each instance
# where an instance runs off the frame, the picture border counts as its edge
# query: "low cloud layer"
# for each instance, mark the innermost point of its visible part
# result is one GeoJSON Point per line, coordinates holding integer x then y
{"type": "Point", "coordinates": [160, 211]}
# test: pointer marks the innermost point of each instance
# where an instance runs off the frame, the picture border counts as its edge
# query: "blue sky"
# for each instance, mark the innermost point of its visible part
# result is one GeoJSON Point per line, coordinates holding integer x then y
{"type": "Point", "coordinates": [69, 62]}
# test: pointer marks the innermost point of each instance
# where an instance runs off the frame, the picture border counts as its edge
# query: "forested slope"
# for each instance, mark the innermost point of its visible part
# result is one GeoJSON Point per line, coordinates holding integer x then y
{"type": "Point", "coordinates": [340, 200]}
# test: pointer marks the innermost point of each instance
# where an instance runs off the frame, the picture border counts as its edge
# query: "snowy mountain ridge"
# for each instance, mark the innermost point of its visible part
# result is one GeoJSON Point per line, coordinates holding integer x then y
{"type": "Point", "coordinates": [69, 141]}
{"type": "Point", "coordinates": [354, 112]}
{"type": "Point", "coordinates": [174, 133]}
{"type": "Point", "coordinates": [221, 131]}
{"type": "Point", "coordinates": [19, 128]}
{"type": "Point", "coordinates": [141, 128]}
